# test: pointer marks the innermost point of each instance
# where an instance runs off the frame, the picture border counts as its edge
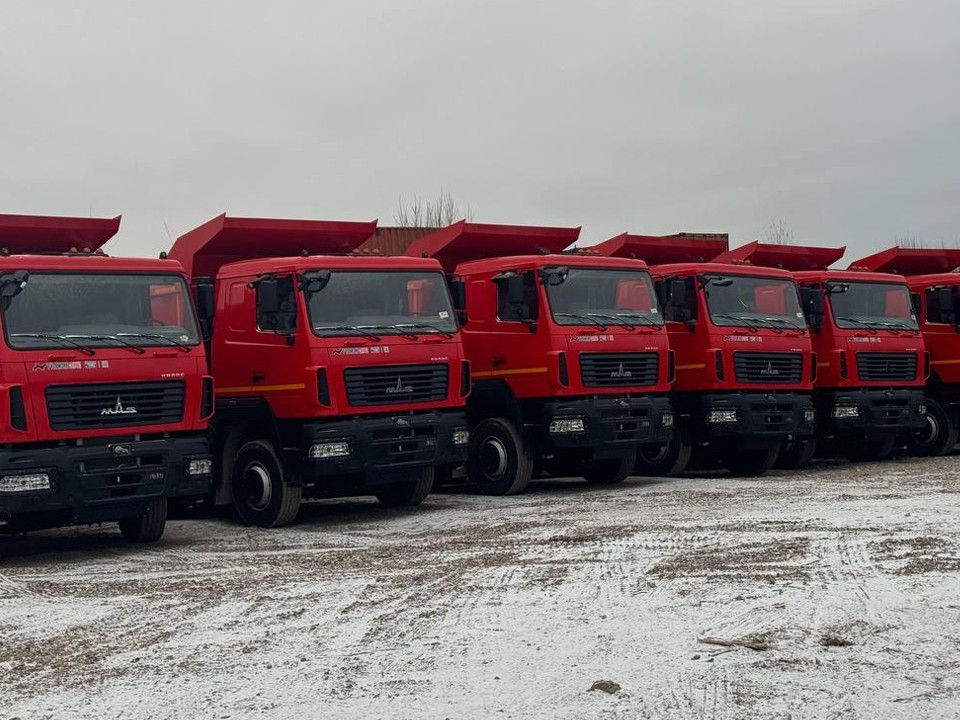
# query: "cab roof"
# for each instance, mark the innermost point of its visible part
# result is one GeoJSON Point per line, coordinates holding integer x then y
{"type": "Point", "coordinates": [528, 262]}
{"type": "Point", "coordinates": [787, 257]}
{"type": "Point", "coordinates": [910, 261]}
{"type": "Point", "coordinates": [849, 276]}
{"type": "Point", "coordinates": [89, 263]}
{"type": "Point", "coordinates": [35, 234]}
{"type": "Point", "coordinates": [661, 249]}
{"type": "Point", "coordinates": [369, 263]}
{"type": "Point", "coordinates": [674, 269]}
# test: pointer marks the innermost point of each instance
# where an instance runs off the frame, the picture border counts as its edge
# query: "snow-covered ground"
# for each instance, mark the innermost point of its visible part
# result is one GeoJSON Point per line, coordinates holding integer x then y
{"type": "Point", "coordinates": [475, 607]}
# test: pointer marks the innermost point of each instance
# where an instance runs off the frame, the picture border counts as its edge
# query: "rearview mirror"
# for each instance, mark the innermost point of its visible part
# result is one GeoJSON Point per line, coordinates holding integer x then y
{"type": "Point", "coordinates": [458, 293]}
{"type": "Point", "coordinates": [205, 299]}
{"type": "Point", "coordinates": [268, 297]}
{"type": "Point", "coordinates": [812, 306]}
{"type": "Point", "coordinates": [678, 293]}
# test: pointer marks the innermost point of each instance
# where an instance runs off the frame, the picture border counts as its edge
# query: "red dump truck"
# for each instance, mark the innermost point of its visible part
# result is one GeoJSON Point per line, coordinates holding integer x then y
{"type": "Point", "coordinates": [870, 354]}
{"type": "Point", "coordinates": [744, 361]}
{"type": "Point", "coordinates": [103, 381]}
{"type": "Point", "coordinates": [935, 289]}
{"type": "Point", "coordinates": [571, 363]}
{"type": "Point", "coordinates": [337, 373]}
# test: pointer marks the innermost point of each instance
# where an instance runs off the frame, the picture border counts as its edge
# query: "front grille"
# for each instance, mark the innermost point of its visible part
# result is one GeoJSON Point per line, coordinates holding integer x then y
{"type": "Point", "coordinates": [616, 369]}
{"type": "Point", "coordinates": [108, 405]}
{"type": "Point", "coordinates": [396, 384]}
{"type": "Point", "coordinates": [760, 367]}
{"type": "Point", "coordinates": [886, 366]}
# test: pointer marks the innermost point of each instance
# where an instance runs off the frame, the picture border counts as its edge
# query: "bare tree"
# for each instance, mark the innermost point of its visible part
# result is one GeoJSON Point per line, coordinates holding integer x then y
{"type": "Point", "coordinates": [423, 213]}
{"type": "Point", "coordinates": [778, 234]}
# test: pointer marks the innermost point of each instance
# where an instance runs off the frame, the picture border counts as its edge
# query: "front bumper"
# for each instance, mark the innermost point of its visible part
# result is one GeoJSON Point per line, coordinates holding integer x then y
{"type": "Point", "coordinates": [764, 415]}
{"type": "Point", "coordinates": [379, 446]}
{"type": "Point", "coordinates": [880, 411]}
{"type": "Point", "coordinates": [99, 482]}
{"type": "Point", "coordinates": [608, 422]}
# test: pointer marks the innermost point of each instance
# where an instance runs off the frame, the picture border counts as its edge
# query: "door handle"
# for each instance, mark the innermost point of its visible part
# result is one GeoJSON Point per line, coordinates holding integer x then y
{"type": "Point", "coordinates": [498, 361]}
{"type": "Point", "coordinates": [257, 377]}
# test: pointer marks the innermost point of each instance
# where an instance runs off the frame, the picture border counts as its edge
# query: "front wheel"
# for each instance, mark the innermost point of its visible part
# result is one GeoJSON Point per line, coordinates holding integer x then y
{"type": "Point", "coordinates": [753, 460]}
{"type": "Point", "coordinates": [498, 462]}
{"type": "Point", "coordinates": [664, 459]}
{"type": "Point", "coordinates": [938, 435]}
{"type": "Point", "coordinates": [610, 472]}
{"type": "Point", "coordinates": [260, 495]}
{"type": "Point", "coordinates": [147, 527]}
{"type": "Point", "coordinates": [797, 453]}
{"type": "Point", "coordinates": [408, 493]}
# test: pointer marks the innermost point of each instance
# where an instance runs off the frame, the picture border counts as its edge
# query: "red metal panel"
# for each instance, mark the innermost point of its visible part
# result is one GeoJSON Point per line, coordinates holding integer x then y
{"type": "Point", "coordinates": [228, 239]}
{"type": "Point", "coordinates": [910, 261]}
{"type": "Point", "coordinates": [663, 249]}
{"type": "Point", "coordinates": [46, 234]}
{"type": "Point", "coordinates": [794, 258]}
{"type": "Point", "coordinates": [465, 241]}
{"type": "Point", "coordinates": [394, 240]}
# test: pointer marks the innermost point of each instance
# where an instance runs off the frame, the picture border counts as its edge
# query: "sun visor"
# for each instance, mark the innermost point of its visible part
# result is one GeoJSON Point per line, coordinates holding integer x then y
{"type": "Point", "coordinates": [664, 249]}
{"type": "Point", "coordinates": [794, 258]}
{"type": "Point", "coordinates": [22, 234]}
{"type": "Point", "coordinates": [910, 261]}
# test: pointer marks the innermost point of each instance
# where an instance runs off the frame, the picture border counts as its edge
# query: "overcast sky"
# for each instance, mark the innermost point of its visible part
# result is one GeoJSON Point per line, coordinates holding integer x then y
{"type": "Point", "coordinates": [840, 118]}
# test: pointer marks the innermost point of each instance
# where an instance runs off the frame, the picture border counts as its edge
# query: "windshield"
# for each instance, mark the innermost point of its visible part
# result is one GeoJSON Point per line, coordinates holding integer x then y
{"type": "Point", "coordinates": [383, 302]}
{"type": "Point", "coordinates": [581, 296]}
{"type": "Point", "coordinates": [877, 305]}
{"type": "Point", "coordinates": [97, 310]}
{"type": "Point", "coordinates": [745, 301]}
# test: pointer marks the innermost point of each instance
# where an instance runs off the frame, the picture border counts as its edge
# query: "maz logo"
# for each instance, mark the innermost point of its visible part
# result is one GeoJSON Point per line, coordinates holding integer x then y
{"type": "Point", "coordinates": [119, 409]}
{"type": "Point", "coordinates": [770, 370]}
{"type": "Point", "coordinates": [399, 388]}
{"type": "Point", "coordinates": [621, 373]}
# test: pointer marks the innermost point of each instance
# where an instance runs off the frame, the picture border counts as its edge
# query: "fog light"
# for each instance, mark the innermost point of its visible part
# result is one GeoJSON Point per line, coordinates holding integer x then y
{"type": "Point", "coordinates": [24, 483]}
{"type": "Point", "coordinates": [921, 409]}
{"type": "Point", "coordinates": [846, 411]}
{"type": "Point", "coordinates": [200, 466]}
{"type": "Point", "coordinates": [329, 450]}
{"type": "Point", "coordinates": [666, 420]}
{"type": "Point", "coordinates": [461, 436]}
{"type": "Point", "coordinates": [808, 415]}
{"type": "Point", "coordinates": [716, 417]}
{"type": "Point", "coordinates": [566, 426]}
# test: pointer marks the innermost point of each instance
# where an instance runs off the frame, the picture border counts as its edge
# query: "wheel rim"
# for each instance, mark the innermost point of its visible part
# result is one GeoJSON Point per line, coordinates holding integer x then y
{"type": "Point", "coordinates": [259, 487]}
{"type": "Point", "coordinates": [928, 434]}
{"type": "Point", "coordinates": [493, 458]}
{"type": "Point", "coordinates": [656, 455]}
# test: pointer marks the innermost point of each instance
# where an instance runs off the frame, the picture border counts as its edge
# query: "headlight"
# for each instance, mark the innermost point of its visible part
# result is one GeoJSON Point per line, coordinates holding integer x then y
{"type": "Point", "coordinates": [921, 409]}
{"type": "Point", "coordinates": [24, 483]}
{"type": "Point", "coordinates": [573, 425]}
{"type": "Point", "coordinates": [329, 450]}
{"type": "Point", "coordinates": [846, 411]}
{"type": "Point", "coordinates": [200, 466]}
{"type": "Point", "coordinates": [666, 419]}
{"type": "Point", "coordinates": [461, 436]}
{"type": "Point", "coordinates": [808, 415]}
{"type": "Point", "coordinates": [715, 417]}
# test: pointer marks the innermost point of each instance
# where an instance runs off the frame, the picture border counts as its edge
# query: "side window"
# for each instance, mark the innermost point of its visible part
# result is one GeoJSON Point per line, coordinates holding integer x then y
{"type": "Point", "coordinates": [517, 299]}
{"type": "Point", "coordinates": [677, 308]}
{"type": "Point", "coordinates": [277, 312]}
{"type": "Point", "coordinates": [941, 305]}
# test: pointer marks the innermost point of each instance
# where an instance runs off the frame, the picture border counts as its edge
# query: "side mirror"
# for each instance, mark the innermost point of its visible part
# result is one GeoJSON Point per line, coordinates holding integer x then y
{"type": "Point", "coordinates": [515, 289]}
{"type": "Point", "coordinates": [812, 300]}
{"type": "Point", "coordinates": [945, 300]}
{"type": "Point", "coordinates": [458, 292]}
{"type": "Point", "coordinates": [268, 296]}
{"type": "Point", "coordinates": [678, 293]}
{"type": "Point", "coordinates": [205, 299]}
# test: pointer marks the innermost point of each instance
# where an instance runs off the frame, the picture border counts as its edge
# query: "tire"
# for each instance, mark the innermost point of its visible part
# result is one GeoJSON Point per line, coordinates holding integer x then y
{"type": "Point", "coordinates": [409, 493]}
{"type": "Point", "coordinates": [797, 453]}
{"type": "Point", "coordinates": [498, 463]}
{"type": "Point", "coordinates": [260, 495]}
{"type": "Point", "coordinates": [610, 472]}
{"type": "Point", "coordinates": [752, 461]}
{"type": "Point", "coordinates": [148, 527]}
{"type": "Point", "coordinates": [937, 437]}
{"type": "Point", "coordinates": [870, 450]}
{"type": "Point", "coordinates": [663, 459]}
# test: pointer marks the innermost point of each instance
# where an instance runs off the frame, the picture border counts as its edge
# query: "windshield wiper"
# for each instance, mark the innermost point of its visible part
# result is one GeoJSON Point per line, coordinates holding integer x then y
{"type": "Point", "coordinates": [644, 319]}
{"type": "Point", "coordinates": [426, 326]}
{"type": "Point", "coordinates": [399, 328]}
{"type": "Point", "coordinates": [869, 326]}
{"type": "Point", "coordinates": [155, 336]}
{"type": "Point", "coordinates": [899, 326]}
{"type": "Point", "coordinates": [62, 338]}
{"type": "Point", "coordinates": [581, 316]}
{"type": "Point", "coordinates": [136, 348]}
{"type": "Point", "coordinates": [789, 323]}
{"type": "Point", "coordinates": [618, 320]}
{"type": "Point", "coordinates": [352, 328]}
{"type": "Point", "coordinates": [752, 323]}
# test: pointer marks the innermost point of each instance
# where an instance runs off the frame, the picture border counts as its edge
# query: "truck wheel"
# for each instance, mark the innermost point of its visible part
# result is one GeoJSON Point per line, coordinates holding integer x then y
{"type": "Point", "coordinates": [409, 493]}
{"type": "Point", "coordinates": [937, 437]}
{"type": "Point", "coordinates": [663, 459]}
{"type": "Point", "coordinates": [610, 472]}
{"type": "Point", "coordinates": [260, 495]}
{"type": "Point", "coordinates": [870, 450]}
{"type": "Point", "coordinates": [147, 527]}
{"type": "Point", "coordinates": [752, 461]}
{"type": "Point", "coordinates": [796, 453]}
{"type": "Point", "coordinates": [498, 464]}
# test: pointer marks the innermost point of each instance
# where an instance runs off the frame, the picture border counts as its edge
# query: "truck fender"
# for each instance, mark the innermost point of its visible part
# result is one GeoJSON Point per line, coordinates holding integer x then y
{"type": "Point", "coordinates": [254, 421]}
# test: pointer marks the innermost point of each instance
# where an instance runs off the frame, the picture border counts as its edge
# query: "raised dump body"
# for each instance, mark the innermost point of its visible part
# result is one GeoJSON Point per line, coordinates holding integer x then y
{"type": "Point", "coordinates": [103, 377]}
{"type": "Point", "coordinates": [337, 373]}
{"type": "Point", "coordinates": [870, 356]}
{"type": "Point", "coordinates": [744, 362]}
{"type": "Point", "coordinates": [570, 357]}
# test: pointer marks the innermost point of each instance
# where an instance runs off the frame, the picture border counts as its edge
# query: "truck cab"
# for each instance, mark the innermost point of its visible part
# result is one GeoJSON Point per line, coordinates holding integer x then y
{"type": "Point", "coordinates": [935, 291]}
{"type": "Point", "coordinates": [571, 365]}
{"type": "Point", "coordinates": [744, 362]}
{"type": "Point", "coordinates": [103, 381]}
{"type": "Point", "coordinates": [338, 373]}
{"type": "Point", "coordinates": [870, 355]}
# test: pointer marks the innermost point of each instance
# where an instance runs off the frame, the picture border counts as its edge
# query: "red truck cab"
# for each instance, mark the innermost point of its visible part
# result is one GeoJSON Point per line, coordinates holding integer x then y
{"type": "Point", "coordinates": [935, 291]}
{"type": "Point", "coordinates": [870, 356]}
{"type": "Point", "coordinates": [337, 373]}
{"type": "Point", "coordinates": [571, 365]}
{"type": "Point", "coordinates": [103, 381]}
{"type": "Point", "coordinates": [744, 363]}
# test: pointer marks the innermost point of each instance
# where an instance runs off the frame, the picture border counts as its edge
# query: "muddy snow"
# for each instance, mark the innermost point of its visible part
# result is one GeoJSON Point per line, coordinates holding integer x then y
{"type": "Point", "coordinates": [827, 593]}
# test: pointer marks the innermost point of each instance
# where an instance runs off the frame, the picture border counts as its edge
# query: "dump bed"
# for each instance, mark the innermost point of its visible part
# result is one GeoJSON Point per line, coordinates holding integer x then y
{"type": "Point", "coordinates": [910, 261]}
{"type": "Point", "coordinates": [795, 258]}
{"type": "Point", "coordinates": [48, 234]}
{"type": "Point", "coordinates": [664, 249]}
